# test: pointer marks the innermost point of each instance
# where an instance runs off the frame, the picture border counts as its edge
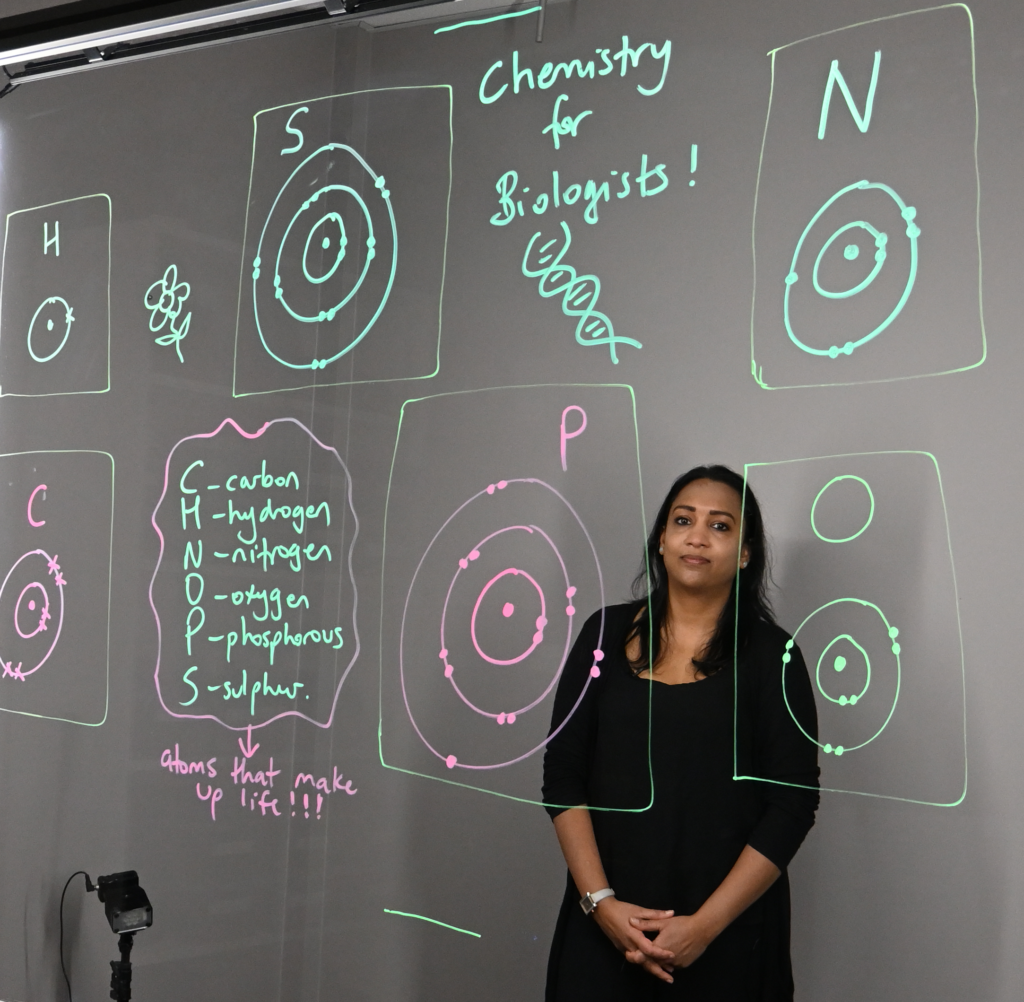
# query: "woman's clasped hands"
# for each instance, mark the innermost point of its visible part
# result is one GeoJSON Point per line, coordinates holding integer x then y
{"type": "Point", "coordinates": [624, 924]}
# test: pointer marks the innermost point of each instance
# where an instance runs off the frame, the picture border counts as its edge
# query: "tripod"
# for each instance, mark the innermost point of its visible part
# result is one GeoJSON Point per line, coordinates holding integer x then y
{"type": "Point", "coordinates": [121, 970]}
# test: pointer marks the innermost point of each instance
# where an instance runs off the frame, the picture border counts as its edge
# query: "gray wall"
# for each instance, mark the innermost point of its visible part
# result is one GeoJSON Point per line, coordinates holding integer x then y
{"type": "Point", "coordinates": [447, 375]}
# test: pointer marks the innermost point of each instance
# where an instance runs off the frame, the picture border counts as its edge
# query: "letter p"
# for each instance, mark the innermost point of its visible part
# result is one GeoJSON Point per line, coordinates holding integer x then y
{"type": "Point", "coordinates": [565, 435]}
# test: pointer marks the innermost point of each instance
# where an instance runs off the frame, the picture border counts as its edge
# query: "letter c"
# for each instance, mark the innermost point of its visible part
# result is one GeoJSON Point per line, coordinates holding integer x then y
{"type": "Point", "coordinates": [484, 99]}
{"type": "Point", "coordinates": [31, 521]}
{"type": "Point", "coordinates": [181, 483]}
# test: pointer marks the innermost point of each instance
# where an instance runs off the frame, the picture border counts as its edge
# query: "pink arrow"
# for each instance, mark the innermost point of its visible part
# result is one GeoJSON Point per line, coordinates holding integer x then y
{"type": "Point", "coordinates": [251, 750]}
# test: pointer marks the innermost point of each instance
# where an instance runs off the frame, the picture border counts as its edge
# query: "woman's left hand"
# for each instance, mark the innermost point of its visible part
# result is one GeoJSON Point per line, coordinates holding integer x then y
{"type": "Point", "coordinates": [685, 936]}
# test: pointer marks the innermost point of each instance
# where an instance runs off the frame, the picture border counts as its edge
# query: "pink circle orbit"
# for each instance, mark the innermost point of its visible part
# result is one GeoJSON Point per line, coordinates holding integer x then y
{"type": "Point", "coordinates": [44, 615]}
{"type": "Point", "coordinates": [54, 630]}
{"type": "Point", "coordinates": [537, 637]}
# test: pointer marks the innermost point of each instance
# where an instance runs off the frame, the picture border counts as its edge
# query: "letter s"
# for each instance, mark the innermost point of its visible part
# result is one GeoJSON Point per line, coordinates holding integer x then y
{"type": "Point", "coordinates": [195, 689]}
{"type": "Point", "coordinates": [294, 132]}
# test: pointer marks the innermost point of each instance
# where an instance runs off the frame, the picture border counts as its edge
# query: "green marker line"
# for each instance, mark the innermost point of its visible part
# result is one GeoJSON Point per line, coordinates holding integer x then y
{"type": "Point", "coordinates": [424, 918]}
{"type": "Point", "coordinates": [486, 20]}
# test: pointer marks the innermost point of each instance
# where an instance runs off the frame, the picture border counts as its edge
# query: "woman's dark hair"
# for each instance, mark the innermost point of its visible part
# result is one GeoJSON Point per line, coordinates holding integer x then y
{"type": "Point", "coordinates": [650, 587]}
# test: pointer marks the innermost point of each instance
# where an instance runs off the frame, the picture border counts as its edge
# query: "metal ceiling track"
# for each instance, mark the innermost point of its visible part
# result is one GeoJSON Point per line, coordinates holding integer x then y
{"type": "Point", "coordinates": [87, 33]}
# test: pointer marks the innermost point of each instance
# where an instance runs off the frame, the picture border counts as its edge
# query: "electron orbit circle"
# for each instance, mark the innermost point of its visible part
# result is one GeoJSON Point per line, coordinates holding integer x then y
{"type": "Point", "coordinates": [871, 512]}
{"type": "Point", "coordinates": [45, 615]}
{"type": "Point", "coordinates": [69, 319]}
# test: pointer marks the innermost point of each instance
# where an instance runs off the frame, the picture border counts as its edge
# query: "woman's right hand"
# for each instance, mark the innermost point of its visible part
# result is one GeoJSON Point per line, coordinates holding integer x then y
{"type": "Point", "coordinates": [613, 917]}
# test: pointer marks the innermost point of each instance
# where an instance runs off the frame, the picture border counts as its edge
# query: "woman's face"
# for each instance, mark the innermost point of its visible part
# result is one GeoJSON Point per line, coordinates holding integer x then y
{"type": "Point", "coordinates": [702, 539]}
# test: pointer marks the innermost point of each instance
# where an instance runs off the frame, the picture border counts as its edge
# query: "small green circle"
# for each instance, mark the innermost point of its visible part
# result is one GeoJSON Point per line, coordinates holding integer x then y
{"type": "Point", "coordinates": [839, 749]}
{"type": "Point", "coordinates": [850, 252]}
{"type": "Point", "coordinates": [839, 663]}
{"type": "Point", "coordinates": [871, 512]}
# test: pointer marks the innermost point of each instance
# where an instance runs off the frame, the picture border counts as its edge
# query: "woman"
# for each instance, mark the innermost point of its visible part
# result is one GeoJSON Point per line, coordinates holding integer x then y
{"type": "Point", "coordinates": [697, 859]}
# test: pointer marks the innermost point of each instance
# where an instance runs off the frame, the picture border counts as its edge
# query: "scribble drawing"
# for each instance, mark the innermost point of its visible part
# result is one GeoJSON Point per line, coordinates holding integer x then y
{"type": "Point", "coordinates": [165, 300]}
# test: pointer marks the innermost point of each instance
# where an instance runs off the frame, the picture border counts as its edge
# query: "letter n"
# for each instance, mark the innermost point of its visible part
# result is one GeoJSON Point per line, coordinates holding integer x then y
{"type": "Point", "coordinates": [835, 76]}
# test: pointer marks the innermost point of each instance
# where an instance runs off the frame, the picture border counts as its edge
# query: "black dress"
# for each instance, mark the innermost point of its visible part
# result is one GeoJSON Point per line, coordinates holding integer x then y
{"type": "Point", "coordinates": [675, 853]}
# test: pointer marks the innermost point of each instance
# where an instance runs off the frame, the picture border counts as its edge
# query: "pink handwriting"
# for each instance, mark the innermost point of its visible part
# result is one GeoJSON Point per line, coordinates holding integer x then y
{"type": "Point", "coordinates": [564, 435]}
{"type": "Point", "coordinates": [31, 498]}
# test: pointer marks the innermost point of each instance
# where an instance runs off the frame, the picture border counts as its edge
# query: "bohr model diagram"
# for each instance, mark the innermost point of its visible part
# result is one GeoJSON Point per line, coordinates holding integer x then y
{"type": "Point", "coordinates": [31, 613]}
{"type": "Point", "coordinates": [322, 243]}
{"type": "Point", "coordinates": [857, 672]}
{"type": "Point", "coordinates": [498, 609]}
{"type": "Point", "coordinates": [49, 328]}
{"type": "Point", "coordinates": [866, 250]}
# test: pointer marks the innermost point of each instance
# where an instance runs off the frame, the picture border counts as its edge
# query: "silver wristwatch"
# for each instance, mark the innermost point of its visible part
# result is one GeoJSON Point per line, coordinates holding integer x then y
{"type": "Point", "coordinates": [589, 901]}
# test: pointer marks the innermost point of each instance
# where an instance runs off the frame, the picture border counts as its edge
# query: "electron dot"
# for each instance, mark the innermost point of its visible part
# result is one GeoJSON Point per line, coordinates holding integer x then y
{"type": "Point", "coordinates": [839, 749]}
{"type": "Point", "coordinates": [896, 648]}
{"type": "Point", "coordinates": [448, 669]}
{"type": "Point", "coordinates": [325, 243]}
{"type": "Point", "coordinates": [500, 718]}
{"type": "Point", "coordinates": [851, 251]}
{"type": "Point", "coordinates": [511, 718]}
{"type": "Point", "coordinates": [450, 761]}
{"type": "Point", "coordinates": [893, 632]}
{"type": "Point", "coordinates": [507, 609]}
{"type": "Point", "coordinates": [599, 655]}
{"type": "Point", "coordinates": [853, 700]}
{"type": "Point", "coordinates": [842, 701]}
{"type": "Point", "coordinates": [570, 610]}
{"type": "Point", "coordinates": [541, 622]}
{"type": "Point", "coordinates": [828, 749]}
{"type": "Point", "coordinates": [31, 603]}
{"type": "Point", "coordinates": [789, 644]}
{"type": "Point", "coordinates": [840, 663]}
{"type": "Point", "coordinates": [502, 484]}
{"type": "Point", "coordinates": [49, 325]}
{"type": "Point", "coordinates": [570, 593]}
{"type": "Point", "coordinates": [538, 637]}
{"type": "Point", "coordinates": [594, 671]}
{"type": "Point", "coordinates": [786, 658]}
